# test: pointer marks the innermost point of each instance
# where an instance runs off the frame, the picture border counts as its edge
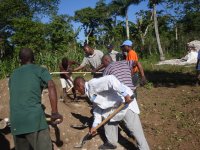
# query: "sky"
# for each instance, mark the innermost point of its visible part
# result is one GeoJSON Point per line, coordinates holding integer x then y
{"type": "Point", "coordinates": [70, 6]}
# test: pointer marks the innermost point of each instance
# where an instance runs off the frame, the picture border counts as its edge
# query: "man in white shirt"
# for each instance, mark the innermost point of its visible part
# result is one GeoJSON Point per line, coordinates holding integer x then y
{"type": "Point", "coordinates": [106, 94]}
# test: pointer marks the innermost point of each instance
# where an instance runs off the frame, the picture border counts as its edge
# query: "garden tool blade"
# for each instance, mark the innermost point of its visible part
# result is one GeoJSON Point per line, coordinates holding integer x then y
{"type": "Point", "coordinates": [83, 141]}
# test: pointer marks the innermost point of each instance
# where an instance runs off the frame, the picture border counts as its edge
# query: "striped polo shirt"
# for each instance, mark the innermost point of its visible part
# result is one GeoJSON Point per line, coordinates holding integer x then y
{"type": "Point", "coordinates": [122, 71]}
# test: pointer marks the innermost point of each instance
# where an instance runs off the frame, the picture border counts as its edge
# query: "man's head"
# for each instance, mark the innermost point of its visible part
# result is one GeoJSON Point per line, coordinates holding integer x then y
{"type": "Point", "coordinates": [110, 48]}
{"type": "Point", "coordinates": [79, 85]}
{"type": "Point", "coordinates": [88, 50]}
{"type": "Point", "coordinates": [106, 60]}
{"type": "Point", "coordinates": [65, 63]}
{"type": "Point", "coordinates": [126, 45]}
{"type": "Point", "coordinates": [26, 56]}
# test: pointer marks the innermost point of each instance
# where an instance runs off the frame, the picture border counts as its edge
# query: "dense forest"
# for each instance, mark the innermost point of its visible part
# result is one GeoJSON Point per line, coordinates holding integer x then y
{"type": "Point", "coordinates": [156, 34]}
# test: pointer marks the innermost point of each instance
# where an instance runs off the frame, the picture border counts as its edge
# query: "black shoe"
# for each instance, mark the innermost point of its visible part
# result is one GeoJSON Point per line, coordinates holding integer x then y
{"type": "Point", "coordinates": [107, 146]}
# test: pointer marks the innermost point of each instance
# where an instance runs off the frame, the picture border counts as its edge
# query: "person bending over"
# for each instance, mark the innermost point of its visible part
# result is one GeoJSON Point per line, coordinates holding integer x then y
{"type": "Point", "coordinates": [106, 94]}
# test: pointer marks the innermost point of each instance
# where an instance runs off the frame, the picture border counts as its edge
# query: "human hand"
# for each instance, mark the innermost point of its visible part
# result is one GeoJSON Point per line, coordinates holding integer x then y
{"type": "Point", "coordinates": [93, 71]}
{"type": "Point", "coordinates": [143, 81]}
{"type": "Point", "coordinates": [128, 99]}
{"type": "Point", "coordinates": [56, 118]}
{"type": "Point", "coordinates": [92, 131]}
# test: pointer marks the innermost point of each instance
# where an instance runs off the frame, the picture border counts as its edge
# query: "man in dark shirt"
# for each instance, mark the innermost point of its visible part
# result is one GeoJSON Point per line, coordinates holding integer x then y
{"type": "Point", "coordinates": [28, 122]}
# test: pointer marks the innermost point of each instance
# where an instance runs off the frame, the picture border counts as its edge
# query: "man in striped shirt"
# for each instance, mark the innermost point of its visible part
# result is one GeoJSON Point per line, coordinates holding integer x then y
{"type": "Point", "coordinates": [122, 70]}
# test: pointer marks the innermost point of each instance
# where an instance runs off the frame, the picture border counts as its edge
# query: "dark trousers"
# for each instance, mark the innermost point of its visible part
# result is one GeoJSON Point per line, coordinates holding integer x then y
{"type": "Point", "coordinates": [33, 141]}
{"type": "Point", "coordinates": [135, 80]}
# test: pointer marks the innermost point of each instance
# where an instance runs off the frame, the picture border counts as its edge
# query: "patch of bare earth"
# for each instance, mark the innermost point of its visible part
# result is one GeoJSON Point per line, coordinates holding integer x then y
{"type": "Point", "coordinates": [170, 118]}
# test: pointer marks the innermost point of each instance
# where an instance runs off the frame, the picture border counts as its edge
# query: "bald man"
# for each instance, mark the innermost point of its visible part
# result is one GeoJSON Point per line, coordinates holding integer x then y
{"type": "Point", "coordinates": [122, 70]}
{"type": "Point", "coordinates": [28, 122]}
{"type": "Point", "coordinates": [106, 94]}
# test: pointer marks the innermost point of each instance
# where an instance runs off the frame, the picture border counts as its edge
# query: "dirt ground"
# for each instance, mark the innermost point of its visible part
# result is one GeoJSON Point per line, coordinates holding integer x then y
{"type": "Point", "coordinates": [170, 115]}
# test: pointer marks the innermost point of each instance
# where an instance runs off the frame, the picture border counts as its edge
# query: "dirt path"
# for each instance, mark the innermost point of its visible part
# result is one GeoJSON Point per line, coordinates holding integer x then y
{"type": "Point", "coordinates": [170, 118]}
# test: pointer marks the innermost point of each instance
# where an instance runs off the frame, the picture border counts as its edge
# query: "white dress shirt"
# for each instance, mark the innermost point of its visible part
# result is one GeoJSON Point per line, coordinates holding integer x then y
{"type": "Point", "coordinates": [107, 93]}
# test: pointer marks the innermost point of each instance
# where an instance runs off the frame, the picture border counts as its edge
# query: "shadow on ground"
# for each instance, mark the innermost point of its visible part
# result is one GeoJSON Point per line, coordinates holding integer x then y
{"type": "Point", "coordinates": [167, 79]}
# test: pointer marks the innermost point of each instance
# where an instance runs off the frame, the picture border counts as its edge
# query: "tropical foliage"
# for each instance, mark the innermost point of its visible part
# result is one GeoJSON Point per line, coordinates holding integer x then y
{"type": "Point", "coordinates": [21, 26]}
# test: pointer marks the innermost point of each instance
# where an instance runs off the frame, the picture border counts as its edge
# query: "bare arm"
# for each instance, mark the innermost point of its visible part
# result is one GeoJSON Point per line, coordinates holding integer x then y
{"type": "Point", "coordinates": [52, 96]}
{"type": "Point", "coordinates": [66, 75]}
{"type": "Point", "coordinates": [141, 70]}
{"type": "Point", "coordinates": [98, 68]}
{"type": "Point", "coordinates": [79, 68]}
{"type": "Point", "coordinates": [55, 116]}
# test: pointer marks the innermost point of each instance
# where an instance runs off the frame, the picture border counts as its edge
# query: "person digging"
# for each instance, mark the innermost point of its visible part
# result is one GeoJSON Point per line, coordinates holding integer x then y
{"type": "Point", "coordinates": [107, 93]}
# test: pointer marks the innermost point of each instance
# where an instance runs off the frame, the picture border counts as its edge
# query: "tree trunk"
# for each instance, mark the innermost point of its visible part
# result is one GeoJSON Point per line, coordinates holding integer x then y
{"type": "Point", "coordinates": [87, 36]}
{"type": "Point", "coordinates": [176, 31]}
{"type": "Point", "coordinates": [142, 38]}
{"type": "Point", "coordinates": [162, 57]}
{"type": "Point", "coordinates": [149, 48]}
{"type": "Point", "coordinates": [127, 26]}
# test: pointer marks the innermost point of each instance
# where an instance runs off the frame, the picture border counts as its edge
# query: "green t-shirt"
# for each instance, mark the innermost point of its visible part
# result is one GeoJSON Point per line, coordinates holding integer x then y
{"type": "Point", "coordinates": [26, 84]}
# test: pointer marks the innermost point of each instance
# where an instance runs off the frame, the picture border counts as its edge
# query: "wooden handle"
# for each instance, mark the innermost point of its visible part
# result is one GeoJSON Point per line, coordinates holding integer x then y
{"type": "Point", "coordinates": [110, 116]}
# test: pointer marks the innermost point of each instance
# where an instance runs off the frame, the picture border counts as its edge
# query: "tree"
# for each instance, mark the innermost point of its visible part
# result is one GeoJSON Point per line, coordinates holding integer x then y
{"type": "Point", "coordinates": [122, 10]}
{"type": "Point", "coordinates": [11, 9]}
{"type": "Point", "coordinates": [144, 22]}
{"type": "Point", "coordinates": [153, 4]}
{"type": "Point", "coordinates": [92, 19]}
{"type": "Point", "coordinates": [28, 33]}
{"type": "Point", "coordinates": [60, 32]}
{"type": "Point", "coordinates": [162, 57]}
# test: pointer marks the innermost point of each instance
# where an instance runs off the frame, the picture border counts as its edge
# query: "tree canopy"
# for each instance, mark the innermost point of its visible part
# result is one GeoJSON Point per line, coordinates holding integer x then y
{"type": "Point", "coordinates": [21, 26]}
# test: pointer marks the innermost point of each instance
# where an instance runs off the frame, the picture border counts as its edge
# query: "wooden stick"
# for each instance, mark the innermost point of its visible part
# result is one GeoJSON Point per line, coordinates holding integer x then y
{"type": "Point", "coordinates": [74, 72]}
{"type": "Point", "coordinates": [70, 89]}
{"type": "Point", "coordinates": [83, 140]}
{"type": "Point", "coordinates": [110, 116]}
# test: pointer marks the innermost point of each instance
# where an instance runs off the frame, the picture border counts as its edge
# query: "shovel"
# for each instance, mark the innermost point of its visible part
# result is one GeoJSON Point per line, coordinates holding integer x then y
{"type": "Point", "coordinates": [89, 136]}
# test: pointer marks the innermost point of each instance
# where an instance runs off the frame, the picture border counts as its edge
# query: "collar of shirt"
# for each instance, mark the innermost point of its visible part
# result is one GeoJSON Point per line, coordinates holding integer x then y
{"type": "Point", "coordinates": [91, 97]}
{"type": "Point", "coordinates": [86, 89]}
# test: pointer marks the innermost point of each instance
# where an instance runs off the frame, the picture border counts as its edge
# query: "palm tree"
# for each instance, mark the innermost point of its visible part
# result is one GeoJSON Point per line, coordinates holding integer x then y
{"type": "Point", "coordinates": [154, 2]}
{"type": "Point", "coordinates": [122, 10]}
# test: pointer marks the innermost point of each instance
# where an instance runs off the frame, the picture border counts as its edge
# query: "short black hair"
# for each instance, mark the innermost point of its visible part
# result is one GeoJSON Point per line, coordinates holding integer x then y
{"type": "Point", "coordinates": [26, 55]}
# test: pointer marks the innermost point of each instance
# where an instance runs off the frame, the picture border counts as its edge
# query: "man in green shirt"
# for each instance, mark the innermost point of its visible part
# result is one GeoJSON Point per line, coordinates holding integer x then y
{"type": "Point", "coordinates": [28, 122]}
